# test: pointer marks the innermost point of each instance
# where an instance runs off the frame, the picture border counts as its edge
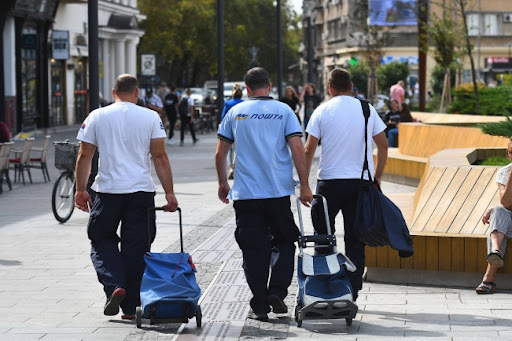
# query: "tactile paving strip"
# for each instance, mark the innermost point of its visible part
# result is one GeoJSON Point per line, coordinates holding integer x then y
{"type": "Point", "coordinates": [225, 305]}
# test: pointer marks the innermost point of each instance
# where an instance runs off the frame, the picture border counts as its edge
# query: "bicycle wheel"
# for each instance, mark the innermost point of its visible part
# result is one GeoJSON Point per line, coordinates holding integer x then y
{"type": "Point", "coordinates": [63, 200]}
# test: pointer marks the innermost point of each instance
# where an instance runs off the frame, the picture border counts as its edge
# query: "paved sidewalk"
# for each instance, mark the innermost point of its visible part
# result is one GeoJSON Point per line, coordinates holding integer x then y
{"type": "Point", "coordinates": [49, 290]}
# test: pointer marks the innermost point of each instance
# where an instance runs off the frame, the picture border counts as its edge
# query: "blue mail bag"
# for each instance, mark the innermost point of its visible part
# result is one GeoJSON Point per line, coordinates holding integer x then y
{"type": "Point", "coordinates": [169, 285]}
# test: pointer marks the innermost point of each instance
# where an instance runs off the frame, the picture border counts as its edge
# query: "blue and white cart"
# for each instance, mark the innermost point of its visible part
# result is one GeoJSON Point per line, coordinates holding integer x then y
{"type": "Point", "coordinates": [325, 291]}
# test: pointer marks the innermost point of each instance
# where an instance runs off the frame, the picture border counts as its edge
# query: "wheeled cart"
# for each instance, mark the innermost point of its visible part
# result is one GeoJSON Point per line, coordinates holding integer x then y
{"type": "Point", "coordinates": [169, 292]}
{"type": "Point", "coordinates": [325, 291]}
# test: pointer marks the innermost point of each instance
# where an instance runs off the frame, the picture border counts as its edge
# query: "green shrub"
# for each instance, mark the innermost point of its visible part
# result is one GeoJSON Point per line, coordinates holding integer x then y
{"type": "Point", "coordinates": [503, 128]}
{"type": "Point", "coordinates": [493, 101]}
{"type": "Point", "coordinates": [496, 161]}
{"type": "Point", "coordinates": [359, 75]}
{"type": "Point", "coordinates": [389, 74]}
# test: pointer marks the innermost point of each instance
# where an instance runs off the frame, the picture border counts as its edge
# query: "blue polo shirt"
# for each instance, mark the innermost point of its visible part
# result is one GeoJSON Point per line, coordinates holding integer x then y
{"type": "Point", "coordinates": [260, 128]}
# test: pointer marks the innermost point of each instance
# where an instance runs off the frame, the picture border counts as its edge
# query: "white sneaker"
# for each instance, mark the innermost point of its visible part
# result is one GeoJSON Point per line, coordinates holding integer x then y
{"type": "Point", "coordinates": [171, 141]}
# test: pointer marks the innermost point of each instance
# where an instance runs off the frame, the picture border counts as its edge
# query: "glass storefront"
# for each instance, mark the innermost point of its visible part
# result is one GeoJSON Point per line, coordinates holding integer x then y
{"type": "Point", "coordinates": [57, 115]}
{"type": "Point", "coordinates": [29, 86]}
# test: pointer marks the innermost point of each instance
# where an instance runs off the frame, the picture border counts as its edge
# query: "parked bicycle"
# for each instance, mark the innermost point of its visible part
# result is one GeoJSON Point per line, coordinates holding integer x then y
{"type": "Point", "coordinates": [63, 194]}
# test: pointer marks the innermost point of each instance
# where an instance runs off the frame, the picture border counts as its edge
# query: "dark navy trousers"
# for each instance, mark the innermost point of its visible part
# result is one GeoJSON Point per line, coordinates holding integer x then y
{"type": "Point", "coordinates": [119, 259]}
{"type": "Point", "coordinates": [341, 194]}
{"type": "Point", "coordinates": [261, 225]}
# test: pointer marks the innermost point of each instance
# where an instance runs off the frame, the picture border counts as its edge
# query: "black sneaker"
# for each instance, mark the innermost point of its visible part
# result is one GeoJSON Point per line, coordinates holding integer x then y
{"type": "Point", "coordinates": [195, 141]}
{"type": "Point", "coordinates": [277, 304]}
{"type": "Point", "coordinates": [113, 302]}
{"type": "Point", "coordinates": [258, 316]}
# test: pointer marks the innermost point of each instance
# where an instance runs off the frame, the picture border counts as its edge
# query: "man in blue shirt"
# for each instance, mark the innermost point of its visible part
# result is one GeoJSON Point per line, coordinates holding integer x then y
{"type": "Point", "coordinates": [265, 130]}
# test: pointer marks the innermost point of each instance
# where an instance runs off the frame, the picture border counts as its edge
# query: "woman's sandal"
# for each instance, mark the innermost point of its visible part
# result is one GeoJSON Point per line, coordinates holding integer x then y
{"type": "Point", "coordinates": [495, 259]}
{"type": "Point", "coordinates": [486, 288]}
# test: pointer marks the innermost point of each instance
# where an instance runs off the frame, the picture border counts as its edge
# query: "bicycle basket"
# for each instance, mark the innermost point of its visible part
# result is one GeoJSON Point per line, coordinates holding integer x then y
{"type": "Point", "coordinates": [66, 155]}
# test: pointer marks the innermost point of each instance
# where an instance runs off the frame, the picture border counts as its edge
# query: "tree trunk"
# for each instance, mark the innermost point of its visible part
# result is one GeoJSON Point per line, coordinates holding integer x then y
{"type": "Point", "coordinates": [470, 54]}
{"type": "Point", "coordinates": [445, 95]}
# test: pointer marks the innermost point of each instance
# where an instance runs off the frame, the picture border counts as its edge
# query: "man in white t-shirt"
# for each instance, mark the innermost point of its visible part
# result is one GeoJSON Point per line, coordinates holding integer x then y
{"type": "Point", "coordinates": [339, 124]}
{"type": "Point", "coordinates": [264, 132]}
{"type": "Point", "coordinates": [499, 219]}
{"type": "Point", "coordinates": [125, 135]}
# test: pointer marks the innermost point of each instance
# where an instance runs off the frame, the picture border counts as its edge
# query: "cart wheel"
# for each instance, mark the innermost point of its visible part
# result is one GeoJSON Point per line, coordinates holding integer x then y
{"type": "Point", "coordinates": [296, 313]}
{"type": "Point", "coordinates": [349, 322]}
{"type": "Point", "coordinates": [138, 316]}
{"type": "Point", "coordinates": [299, 322]}
{"type": "Point", "coordinates": [199, 316]}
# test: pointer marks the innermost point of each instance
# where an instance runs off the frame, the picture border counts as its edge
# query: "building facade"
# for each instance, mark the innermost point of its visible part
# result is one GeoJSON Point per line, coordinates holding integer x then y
{"type": "Point", "coordinates": [119, 35]}
{"type": "Point", "coordinates": [44, 64]}
{"type": "Point", "coordinates": [337, 40]}
{"type": "Point", "coordinates": [25, 26]}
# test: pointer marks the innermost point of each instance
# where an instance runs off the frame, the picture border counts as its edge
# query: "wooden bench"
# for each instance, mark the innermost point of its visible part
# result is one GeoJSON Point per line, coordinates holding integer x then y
{"type": "Point", "coordinates": [444, 219]}
{"type": "Point", "coordinates": [407, 163]}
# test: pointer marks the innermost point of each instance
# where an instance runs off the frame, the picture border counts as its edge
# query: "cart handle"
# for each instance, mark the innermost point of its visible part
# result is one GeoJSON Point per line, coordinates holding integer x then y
{"type": "Point", "coordinates": [149, 225]}
{"type": "Point", "coordinates": [301, 223]}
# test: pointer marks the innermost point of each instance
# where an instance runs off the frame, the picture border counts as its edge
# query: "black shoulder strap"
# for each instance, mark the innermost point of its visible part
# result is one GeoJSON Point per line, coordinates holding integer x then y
{"type": "Point", "coordinates": [366, 113]}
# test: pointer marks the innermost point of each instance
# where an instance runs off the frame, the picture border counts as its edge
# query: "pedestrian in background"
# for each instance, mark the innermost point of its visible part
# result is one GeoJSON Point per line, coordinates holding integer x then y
{"type": "Point", "coordinates": [340, 124]}
{"type": "Point", "coordinates": [126, 135]}
{"type": "Point", "coordinates": [154, 102]}
{"type": "Point", "coordinates": [5, 134]}
{"type": "Point", "coordinates": [186, 110]}
{"type": "Point", "coordinates": [171, 110]}
{"type": "Point", "coordinates": [311, 100]}
{"type": "Point", "coordinates": [235, 99]}
{"type": "Point", "coordinates": [292, 99]}
{"type": "Point", "coordinates": [397, 92]}
{"type": "Point", "coordinates": [264, 131]}
{"type": "Point", "coordinates": [163, 90]}
{"type": "Point", "coordinates": [358, 95]}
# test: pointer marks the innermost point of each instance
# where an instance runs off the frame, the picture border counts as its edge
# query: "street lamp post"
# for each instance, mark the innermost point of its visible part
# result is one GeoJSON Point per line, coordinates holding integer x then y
{"type": "Point", "coordinates": [94, 70]}
{"type": "Point", "coordinates": [279, 51]}
{"type": "Point", "coordinates": [220, 58]}
{"type": "Point", "coordinates": [308, 9]}
{"type": "Point", "coordinates": [94, 74]}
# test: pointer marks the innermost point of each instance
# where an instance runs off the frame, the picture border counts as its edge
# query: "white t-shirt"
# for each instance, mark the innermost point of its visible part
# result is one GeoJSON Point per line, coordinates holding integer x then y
{"type": "Point", "coordinates": [339, 124]}
{"type": "Point", "coordinates": [122, 132]}
{"type": "Point", "coordinates": [503, 174]}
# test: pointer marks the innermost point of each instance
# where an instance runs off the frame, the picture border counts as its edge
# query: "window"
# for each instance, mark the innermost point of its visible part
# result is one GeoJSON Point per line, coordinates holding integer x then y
{"type": "Point", "coordinates": [473, 24]}
{"type": "Point", "coordinates": [491, 25]}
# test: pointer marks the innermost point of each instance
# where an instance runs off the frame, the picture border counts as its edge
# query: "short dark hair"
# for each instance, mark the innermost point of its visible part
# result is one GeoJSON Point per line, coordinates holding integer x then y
{"type": "Point", "coordinates": [172, 87]}
{"type": "Point", "coordinates": [257, 78]}
{"type": "Point", "coordinates": [126, 84]}
{"type": "Point", "coordinates": [339, 80]}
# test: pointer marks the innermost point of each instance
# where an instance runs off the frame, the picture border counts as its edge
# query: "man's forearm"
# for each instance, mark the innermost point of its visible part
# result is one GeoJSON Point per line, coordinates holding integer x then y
{"type": "Point", "coordinates": [382, 156]}
{"type": "Point", "coordinates": [221, 167]}
{"type": "Point", "coordinates": [83, 170]}
{"type": "Point", "coordinates": [164, 173]}
{"type": "Point", "coordinates": [299, 159]}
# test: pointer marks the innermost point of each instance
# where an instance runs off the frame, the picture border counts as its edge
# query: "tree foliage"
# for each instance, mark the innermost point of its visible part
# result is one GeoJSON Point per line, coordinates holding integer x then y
{"type": "Point", "coordinates": [359, 76]}
{"type": "Point", "coordinates": [371, 39]}
{"type": "Point", "coordinates": [183, 35]}
{"type": "Point", "coordinates": [445, 36]}
{"type": "Point", "coordinates": [503, 128]}
{"type": "Point", "coordinates": [389, 74]}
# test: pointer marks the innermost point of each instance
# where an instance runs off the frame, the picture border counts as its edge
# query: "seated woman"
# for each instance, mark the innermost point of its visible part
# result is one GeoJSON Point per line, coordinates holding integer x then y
{"type": "Point", "coordinates": [500, 228]}
{"type": "Point", "coordinates": [392, 119]}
